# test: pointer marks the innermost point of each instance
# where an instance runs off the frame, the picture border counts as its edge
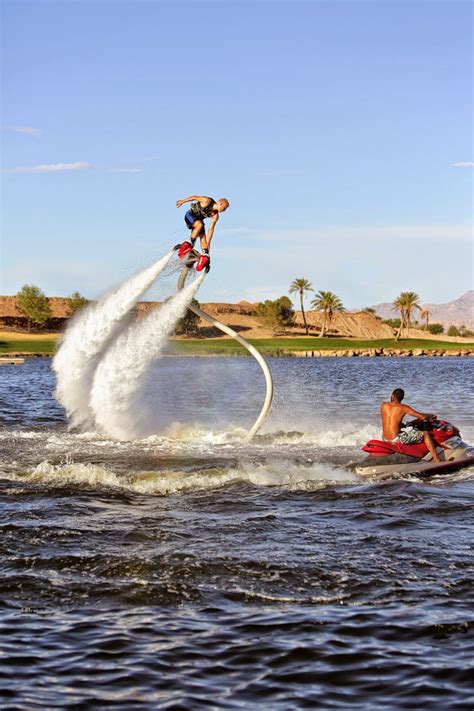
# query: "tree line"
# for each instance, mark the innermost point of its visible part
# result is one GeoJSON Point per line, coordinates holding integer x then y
{"type": "Point", "coordinates": [325, 301]}
{"type": "Point", "coordinates": [280, 313]}
{"type": "Point", "coordinates": [33, 303]}
{"type": "Point", "coordinates": [408, 303]}
{"type": "Point", "coordinates": [277, 314]}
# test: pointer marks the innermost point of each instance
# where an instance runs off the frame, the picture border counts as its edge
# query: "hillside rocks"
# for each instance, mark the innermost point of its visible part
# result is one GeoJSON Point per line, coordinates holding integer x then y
{"type": "Point", "coordinates": [356, 324]}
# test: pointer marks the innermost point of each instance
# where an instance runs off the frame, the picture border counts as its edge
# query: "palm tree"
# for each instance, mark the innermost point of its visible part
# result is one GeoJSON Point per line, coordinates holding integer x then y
{"type": "Point", "coordinates": [412, 302]}
{"type": "Point", "coordinates": [328, 303]}
{"type": "Point", "coordinates": [425, 313]}
{"type": "Point", "coordinates": [301, 286]}
{"type": "Point", "coordinates": [399, 305]}
{"type": "Point", "coordinates": [406, 303]}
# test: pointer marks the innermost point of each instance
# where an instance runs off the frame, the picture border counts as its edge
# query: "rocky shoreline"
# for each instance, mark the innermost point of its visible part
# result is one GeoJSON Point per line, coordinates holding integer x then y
{"type": "Point", "coordinates": [374, 352]}
{"type": "Point", "coordinates": [19, 357]}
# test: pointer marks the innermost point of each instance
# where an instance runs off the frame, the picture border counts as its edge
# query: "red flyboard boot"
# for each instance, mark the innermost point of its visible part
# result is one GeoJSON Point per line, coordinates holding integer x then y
{"type": "Point", "coordinates": [203, 262]}
{"type": "Point", "coordinates": [184, 250]}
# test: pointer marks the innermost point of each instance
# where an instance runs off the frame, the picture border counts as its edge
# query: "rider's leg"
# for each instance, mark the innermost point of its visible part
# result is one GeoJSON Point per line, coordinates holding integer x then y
{"type": "Point", "coordinates": [431, 446]}
{"type": "Point", "coordinates": [203, 240]}
{"type": "Point", "coordinates": [198, 228]}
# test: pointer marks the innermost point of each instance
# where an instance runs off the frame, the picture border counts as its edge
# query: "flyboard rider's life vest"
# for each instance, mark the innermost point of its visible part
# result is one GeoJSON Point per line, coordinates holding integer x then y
{"type": "Point", "coordinates": [199, 212]}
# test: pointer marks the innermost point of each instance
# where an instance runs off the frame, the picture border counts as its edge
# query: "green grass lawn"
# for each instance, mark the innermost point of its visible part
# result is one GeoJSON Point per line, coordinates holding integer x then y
{"type": "Point", "coordinates": [268, 346]}
{"type": "Point", "coordinates": [26, 345]}
{"type": "Point", "coordinates": [277, 346]}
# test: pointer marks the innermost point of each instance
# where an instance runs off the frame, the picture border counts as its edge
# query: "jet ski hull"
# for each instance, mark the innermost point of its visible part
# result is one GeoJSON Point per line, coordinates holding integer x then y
{"type": "Point", "coordinates": [421, 468]}
{"type": "Point", "coordinates": [388, 458]}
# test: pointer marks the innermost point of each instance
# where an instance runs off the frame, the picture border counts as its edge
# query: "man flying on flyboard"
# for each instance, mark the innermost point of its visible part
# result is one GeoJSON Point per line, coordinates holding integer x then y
{"type": "Point", "coordinates": [202, 207]}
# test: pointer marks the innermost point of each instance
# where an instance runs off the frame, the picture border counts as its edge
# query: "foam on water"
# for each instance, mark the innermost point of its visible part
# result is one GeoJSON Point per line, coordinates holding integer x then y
{"type": "Point", "coordinates": [118, 397]}
{"type": "Point", "coordinates": [89, 335]}
{"type": "Point", "coordinates": [285, 474]}
{"type": "Point", "coordinates": [180, 436]}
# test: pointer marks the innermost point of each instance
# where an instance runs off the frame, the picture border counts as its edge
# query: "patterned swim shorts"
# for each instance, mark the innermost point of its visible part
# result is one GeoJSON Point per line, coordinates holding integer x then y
{"type": "Point", "coordinates": [409, 435]}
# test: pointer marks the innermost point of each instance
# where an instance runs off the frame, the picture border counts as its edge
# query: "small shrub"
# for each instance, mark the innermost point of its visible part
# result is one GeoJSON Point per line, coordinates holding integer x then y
{"type": "Point", "coordinates": [276, 314]}
{"type": "Point", "coordinates": [76, 302]}
{"type": "Point", "coordinates": [188, 324]}
{"type": "Point", "coordinates": [34, 304]}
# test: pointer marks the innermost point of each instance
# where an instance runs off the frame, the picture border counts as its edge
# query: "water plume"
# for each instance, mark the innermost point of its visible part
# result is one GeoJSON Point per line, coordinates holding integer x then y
{"type": "Point", "coordinates": [117, 397]}
{"type": "Point", "coordinates": [87, 338]}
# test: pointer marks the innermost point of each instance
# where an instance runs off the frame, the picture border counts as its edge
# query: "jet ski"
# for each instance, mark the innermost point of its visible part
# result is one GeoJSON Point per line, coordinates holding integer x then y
{"type": "Point", "coordinates": [387, 458]}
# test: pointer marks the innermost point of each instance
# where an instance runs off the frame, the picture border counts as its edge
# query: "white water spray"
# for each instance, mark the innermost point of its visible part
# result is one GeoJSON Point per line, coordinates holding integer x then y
{"type": "Point", "coordinates": [88, 337]}
{"type": "Point", "coordinates": [116, 397]}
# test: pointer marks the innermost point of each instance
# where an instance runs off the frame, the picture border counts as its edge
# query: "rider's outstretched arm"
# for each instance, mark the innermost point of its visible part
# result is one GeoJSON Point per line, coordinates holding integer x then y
{"type": "Point", "coordinates": [419, 415]}
{"type": "Point", "coordinates": [190, 199]}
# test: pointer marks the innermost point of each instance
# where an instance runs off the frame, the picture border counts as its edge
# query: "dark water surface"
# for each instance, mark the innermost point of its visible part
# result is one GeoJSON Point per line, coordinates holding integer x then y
{"type": "Point", "coordinates": [191, 569]}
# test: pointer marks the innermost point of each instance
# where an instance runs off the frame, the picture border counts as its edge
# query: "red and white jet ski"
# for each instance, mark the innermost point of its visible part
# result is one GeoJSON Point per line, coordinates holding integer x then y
{"type": "Point", "coordinates": [386, 458]}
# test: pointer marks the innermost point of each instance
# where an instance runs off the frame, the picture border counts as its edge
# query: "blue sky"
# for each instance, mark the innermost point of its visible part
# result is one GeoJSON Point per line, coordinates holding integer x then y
{"type": "Point", "coordinates": [341, 133]}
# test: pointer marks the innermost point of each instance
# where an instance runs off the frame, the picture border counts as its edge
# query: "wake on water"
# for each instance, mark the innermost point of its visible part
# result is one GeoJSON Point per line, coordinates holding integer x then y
{"type": "Point", "coordinates": [103, 358]}
{"type": "Point", "coordinates": [285, 473]}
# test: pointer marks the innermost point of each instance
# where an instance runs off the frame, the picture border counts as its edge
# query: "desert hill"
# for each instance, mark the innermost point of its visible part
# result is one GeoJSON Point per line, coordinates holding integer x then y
{"type": "Point", "coordinates": [242, 318]}
{"type": "Point", "coordinates": [458, 312]}
{"type": "Point", "coordinates": [239, 316]}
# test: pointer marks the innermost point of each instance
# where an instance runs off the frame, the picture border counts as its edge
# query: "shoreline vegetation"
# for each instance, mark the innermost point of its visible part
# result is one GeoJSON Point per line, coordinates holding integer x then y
{"type": "Point", "coordinates": [14, 344]}
{"type": "Point", "coordinates": [273, 327]}
{"type": "Point", "coordinates": [32, 324]}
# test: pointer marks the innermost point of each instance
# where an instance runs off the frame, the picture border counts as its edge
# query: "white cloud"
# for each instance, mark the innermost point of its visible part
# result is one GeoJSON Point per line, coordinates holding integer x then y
{"type": "Point", "coordinates": [28, 130]}
{"type": "Point", "coordinates": [52, 168]}
{"type": "Point", "coordinates": [64, 167]}
{"type": "Point", "coordinates": [466, 164]}
{"type": "Point", "coordinates": [125, 170]}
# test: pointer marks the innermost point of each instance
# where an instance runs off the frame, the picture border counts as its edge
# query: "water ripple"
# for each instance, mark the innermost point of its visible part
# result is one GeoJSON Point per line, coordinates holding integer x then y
{"type": "Point", "coordinates": [192, 569]}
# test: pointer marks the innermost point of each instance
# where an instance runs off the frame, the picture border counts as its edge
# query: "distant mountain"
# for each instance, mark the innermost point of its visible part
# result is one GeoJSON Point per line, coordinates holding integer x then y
{"type": "Point", "coordinates": [459, 312]}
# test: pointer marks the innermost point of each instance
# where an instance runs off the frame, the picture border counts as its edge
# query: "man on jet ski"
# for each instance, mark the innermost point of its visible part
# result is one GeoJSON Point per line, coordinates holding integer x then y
{"type": "Point", "coordinates": [393, 413]}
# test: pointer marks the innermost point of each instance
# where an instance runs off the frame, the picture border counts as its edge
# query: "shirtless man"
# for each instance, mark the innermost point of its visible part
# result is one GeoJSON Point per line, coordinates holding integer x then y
{"type": "Point", "coordinates": [202, 207]}
{"type": "Point", "coordinates": [393, 413]}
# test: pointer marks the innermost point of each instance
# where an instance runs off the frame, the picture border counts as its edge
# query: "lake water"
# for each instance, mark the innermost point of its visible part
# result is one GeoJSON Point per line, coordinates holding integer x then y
{"type": "Point", "coordinates": [191, 569]}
